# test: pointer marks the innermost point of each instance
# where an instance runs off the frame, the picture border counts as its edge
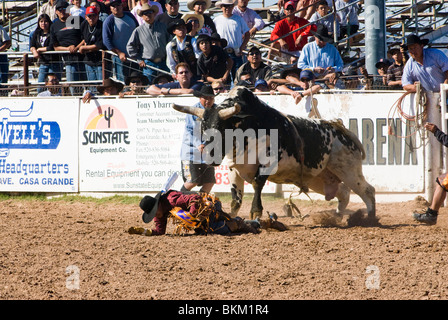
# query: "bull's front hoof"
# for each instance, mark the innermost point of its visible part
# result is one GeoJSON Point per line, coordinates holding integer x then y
{"type": "Point", "coordinates": [254, 215]}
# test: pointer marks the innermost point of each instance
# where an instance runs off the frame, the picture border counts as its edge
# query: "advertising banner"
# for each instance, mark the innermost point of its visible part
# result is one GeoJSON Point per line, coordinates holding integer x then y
{"type": "Point", "coordinates": [38, 139]}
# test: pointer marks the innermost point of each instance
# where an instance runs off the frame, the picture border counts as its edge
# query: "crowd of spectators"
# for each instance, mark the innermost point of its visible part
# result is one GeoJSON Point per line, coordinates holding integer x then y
{"type": "Point", "coordinates": [154, 39]}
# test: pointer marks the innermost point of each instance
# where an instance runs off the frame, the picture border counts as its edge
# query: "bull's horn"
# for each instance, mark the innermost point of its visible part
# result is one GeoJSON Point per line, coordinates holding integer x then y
{"type": "Point", "coordinates": [198, 112]}
{"type": "Point", "coordinates": [225, 114]}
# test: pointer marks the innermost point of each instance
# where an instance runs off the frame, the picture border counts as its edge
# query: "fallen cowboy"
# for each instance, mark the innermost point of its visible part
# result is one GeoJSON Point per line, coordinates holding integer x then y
{"type": "Point", "coordinates": [198, 212]}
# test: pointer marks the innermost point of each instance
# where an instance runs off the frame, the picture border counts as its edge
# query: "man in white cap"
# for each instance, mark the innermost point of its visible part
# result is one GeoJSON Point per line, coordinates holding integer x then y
{"type": "Point", "coordinates": [235, 30]}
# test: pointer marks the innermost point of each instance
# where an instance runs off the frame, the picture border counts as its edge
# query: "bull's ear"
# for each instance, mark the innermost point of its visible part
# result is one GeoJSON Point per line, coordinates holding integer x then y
{"type": "Point", "coordinates": [198, 112]}
{"type": "Point", "coordinates": [225, 114]}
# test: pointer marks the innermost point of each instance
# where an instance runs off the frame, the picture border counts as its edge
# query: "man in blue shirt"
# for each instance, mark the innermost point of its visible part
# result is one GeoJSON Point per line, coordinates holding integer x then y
{"type": "Point", "coordinates": [195, 170]}
{"type": "Point", "coordinates": [321, 56]}
{"type": "Point", "coordinates": [428, 66]}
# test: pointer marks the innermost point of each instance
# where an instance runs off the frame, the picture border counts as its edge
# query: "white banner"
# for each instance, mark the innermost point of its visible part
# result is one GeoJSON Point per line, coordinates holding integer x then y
{"type": "Point", "coordinates": [38, 139]}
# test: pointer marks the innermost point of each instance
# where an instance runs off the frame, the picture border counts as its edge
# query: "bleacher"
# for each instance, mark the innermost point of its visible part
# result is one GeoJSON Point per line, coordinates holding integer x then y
{"type": "Point", "coordinates": [427, 18]}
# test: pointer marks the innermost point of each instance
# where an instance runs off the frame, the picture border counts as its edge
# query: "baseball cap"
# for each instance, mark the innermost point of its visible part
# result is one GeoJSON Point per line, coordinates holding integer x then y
{"type": "Point", "coordinates": [91, 10]}
{"type": "Point", "coordinates": [306, 75]}
{"type": "Point", "coordinates": [290, 3]}
{"type": "Point", "coordinates": [61, 4]}
{"type": "Point", "coordinates": [382, 61]}
{"type": "Point", "coordinates": [261, 82]}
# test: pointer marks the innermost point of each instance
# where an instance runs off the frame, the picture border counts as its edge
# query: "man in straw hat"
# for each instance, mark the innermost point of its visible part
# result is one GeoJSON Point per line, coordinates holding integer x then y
{"type": "Point", "coordinates": [426, 65]}
{"type": "Point", "coordinates": [138, 7]}
{"type": "Point", "coordinates": [147, 43]}
{"type": "Point", "coordinates": [109, 87]}
{"type": "Point", "coordinates": [199, 7]}
{"type": "Point", "coordinates": [321, 56]}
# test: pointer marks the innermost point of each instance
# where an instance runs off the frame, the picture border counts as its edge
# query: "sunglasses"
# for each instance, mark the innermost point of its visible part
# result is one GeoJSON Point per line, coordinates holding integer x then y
{"type": "Point", "coordinates": [218, 88]}
{"type": "Point", "coordinates": [147, 13]}
{"type": "Point", "coordinates": [254, 54]}
{"type": "Point", "coordinates": [182, 72]}
{"type": "Point", "coordinates": [290, 9]}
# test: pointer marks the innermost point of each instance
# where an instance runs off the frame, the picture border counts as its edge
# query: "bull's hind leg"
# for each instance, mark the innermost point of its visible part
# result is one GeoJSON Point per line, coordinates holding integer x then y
{"type": "Point", "coordinates": [354, 179]}
{"type": "Point", "coordinates": [342, 194]}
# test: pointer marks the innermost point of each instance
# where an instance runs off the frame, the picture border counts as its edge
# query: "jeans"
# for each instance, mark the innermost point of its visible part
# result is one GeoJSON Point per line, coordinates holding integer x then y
{"type": "Point", "coordinates": [123, 69]}
{"type": "Point", "coordinates": [74, 72]}
{"type": "Point", "coordinates": [151, 73]}
{"type": "Point", "coordinates": [94, 72]}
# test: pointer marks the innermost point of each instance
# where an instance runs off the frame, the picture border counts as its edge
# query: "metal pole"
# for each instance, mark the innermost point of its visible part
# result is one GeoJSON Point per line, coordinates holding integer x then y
{"type": "Point", "coordinates": [25, 74]}
{"type": "Point", "coordinates": [375, 22]}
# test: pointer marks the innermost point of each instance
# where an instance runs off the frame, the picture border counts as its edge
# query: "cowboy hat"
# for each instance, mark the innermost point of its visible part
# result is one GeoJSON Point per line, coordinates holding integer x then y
{"type": "Point", "coordinates": [205, 91]}
{"type": "Point", "coordinates": [177, 23]}
{"type": "Point", "coordinates": [322, 33]}
{"type": "Point", "coordinates": [382, 62]}
{"type": "Point", "coordinates": [110, 83]}
{"type": "Point", "coordinates": [216, 37]}
{"type": "Point", "coordinates": [147, 7]}
{"type": "Point", "coordinates": [224, 2]}
{"type": "Point", "coordinates": [200, 18]}
{"type": "Point", "coordinates": [290, 71]}
{"type": "Point", "coordinates": [149, 205]}
{"type": "Point", "coordinates": [191, 3]}
{"type": "Point", "coordinates": [413, 39]}
{"type": "Point", "coordinates": [135, 74]}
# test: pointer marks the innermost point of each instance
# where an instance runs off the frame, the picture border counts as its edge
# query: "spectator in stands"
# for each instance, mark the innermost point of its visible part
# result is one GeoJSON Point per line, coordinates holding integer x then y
{"type": "Point", "coordinates": [136, 84]}
{"type": "Point", "coordinates": [162, 78]}
{"type": "Point", "coordinates": [293, 43]}
{"type": "Point", "coordinates": [299, 84]}
{"type": "Point", "coordinates": [171, 14]}
{"type": "Point", "coordinates": [381, 66]}
{"type": "Point", "coordinates": [184, 83]}
{"type": "Point", "coordinates": [182, 48]}
{"type": "Point", "coordinates": [306, 8]}
{"type": "Point", "coordinates": [213, 62]}
{"type": "Point", "coordinates": [65, 35]}
{"type": "Point", "coordinates": [49, 9]}
{"type": "Point", "coordinates": [322, 11]}
{"type": "Point", "coordinates": [217, 40]}
{"type": "Point", "coordinates": [427, 65]}
{"type": "Point", "coordinates": [92, 35]}
{"type": "Point", "coordinates": [117, 29]}
{"type": "Point", "coordinates": [109, 87]}
{"type": "Point", "coordinates": [395, 71]}
{"type": "Point", "coordinates": [77, 10]}
{"type": "Point", "coordinates": [199, 7]}
{"type": "Point", "coordinates": [255, 67]}
{"type": "Point", "coordinates": [253, 20]}
{"type": "Point", "coordinates": [195, 22]}
{"type": "Point", "coordinates": [101, 9]}
{"type": "Point", "coordinates": [261, 86]}
{"type": "Point", "coordinates": [52, 86]}
{"type": "Point", "coordinates": [322, 57]}
{"type": "Point", "coordinates": [138, 7]}
{"type": "Point", "coordinates": [218, 87]}
{"type": "Point", "coordinates": [40, 42]}
{"type": "Point", "coordinates": [348, 17]}
{"type": "Point", "coordinates": [235, 30]}
{"type": "Point", "coordinates": [148, 42]}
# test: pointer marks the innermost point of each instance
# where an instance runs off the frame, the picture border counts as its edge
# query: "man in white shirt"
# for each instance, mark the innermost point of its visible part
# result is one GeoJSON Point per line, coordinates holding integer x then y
{"type": "Point", "coordinates": [235, 30]}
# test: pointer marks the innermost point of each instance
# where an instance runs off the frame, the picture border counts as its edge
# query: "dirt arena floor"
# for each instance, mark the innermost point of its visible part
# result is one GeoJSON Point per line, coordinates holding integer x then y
{"type": "Point", "coordinates": [75, 250]}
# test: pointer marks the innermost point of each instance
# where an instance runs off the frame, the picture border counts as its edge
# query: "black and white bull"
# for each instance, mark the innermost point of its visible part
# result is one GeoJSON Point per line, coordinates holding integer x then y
{"type": "Point", "coordinates": [317, 154]}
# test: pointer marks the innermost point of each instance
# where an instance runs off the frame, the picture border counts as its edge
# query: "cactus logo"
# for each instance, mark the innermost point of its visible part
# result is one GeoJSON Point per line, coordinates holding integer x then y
{"type": "Point", "coordinates": [109, 127]}
{"type": "Point", "coordinates": [16, 133]}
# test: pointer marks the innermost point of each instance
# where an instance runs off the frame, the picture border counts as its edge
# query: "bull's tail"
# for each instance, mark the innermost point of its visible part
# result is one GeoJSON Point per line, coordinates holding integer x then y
{"type": "Point", "coordinates": [339, 126]}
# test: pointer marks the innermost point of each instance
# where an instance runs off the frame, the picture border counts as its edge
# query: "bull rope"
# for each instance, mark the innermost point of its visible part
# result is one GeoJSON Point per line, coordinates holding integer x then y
{"type": "Point", "coordinates": [419, 119]}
